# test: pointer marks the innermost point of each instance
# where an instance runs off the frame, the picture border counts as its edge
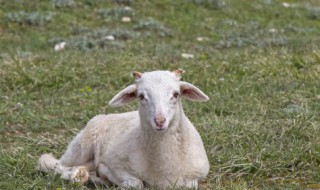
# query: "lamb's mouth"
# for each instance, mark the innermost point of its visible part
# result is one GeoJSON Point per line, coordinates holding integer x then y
{"type": "Point", "coordinates": [160, 128]}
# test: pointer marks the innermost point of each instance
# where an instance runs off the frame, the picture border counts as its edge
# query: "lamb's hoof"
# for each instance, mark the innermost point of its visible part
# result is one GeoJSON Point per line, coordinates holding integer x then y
{"type": "Point", "coordinates": [80, 175]}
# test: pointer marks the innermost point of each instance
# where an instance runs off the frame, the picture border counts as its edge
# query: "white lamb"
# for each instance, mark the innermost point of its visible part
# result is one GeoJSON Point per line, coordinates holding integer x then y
{"type": "Point", "coordinates": [154, 146]}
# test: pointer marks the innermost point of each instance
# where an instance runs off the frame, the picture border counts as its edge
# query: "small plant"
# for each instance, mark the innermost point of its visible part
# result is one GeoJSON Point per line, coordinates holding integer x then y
{"type": "Point", "coordinates": [314, 14]}
{"type": "Point", "coordinates": [124, 34]}
{"type": "Point", "coordinates": [247, 34]}
{"type": "Point", "coordinates": [63, 3]}
{"type": "Point", "coordinates": [99, 39]}
{"type": "Point", "coordinates": [216, 4]}
{"type": "Point", "coordinates": [32, 18]}
{"type": "Point", "coordinates": [118, 12]}
{"type": "Point", "coordinates": [120, 34]}
{"type": "Point", "coordinates": [123, 2]}
{"type": "Point", "coordinates": [268, 2]}
{"type": "Point", "coordinates": [153, 25]}
{"type": "Point", "coordinates": [55, 40]}
{"type": "Point", "coordinates": [85, 44]}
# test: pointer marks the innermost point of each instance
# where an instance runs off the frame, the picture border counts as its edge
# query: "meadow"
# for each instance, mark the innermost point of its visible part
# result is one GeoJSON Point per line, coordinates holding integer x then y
{"type": "Point", "coordinates": [257, 60]}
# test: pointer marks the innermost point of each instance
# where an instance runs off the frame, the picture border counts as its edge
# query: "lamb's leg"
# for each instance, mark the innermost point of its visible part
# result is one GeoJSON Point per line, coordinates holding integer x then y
{"type": "Point", "coordinates": [79, 152]}
{"type": "Point", "coordinates": [48, 163]}
{"type": "Point", "coordinates": [192, 184]}
{"type": "Point", "coordinates": [74, 163]}
{"type": "Point", "coordinates": [120, 177]}
{"type": "Point", "coordinates": [97, 180]}
{"type": "Point", "coordinates": [78, 174]}
{"type": "Point", "coordinates": [78, 159]}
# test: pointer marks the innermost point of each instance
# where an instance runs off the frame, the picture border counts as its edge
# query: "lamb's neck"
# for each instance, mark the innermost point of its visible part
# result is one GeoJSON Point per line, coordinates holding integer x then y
{"type": "Point", "coordinates": [165, 143]}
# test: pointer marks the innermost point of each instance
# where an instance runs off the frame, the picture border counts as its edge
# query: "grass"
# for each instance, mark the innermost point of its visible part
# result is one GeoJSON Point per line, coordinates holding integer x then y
{"type": "Point", "coordinates": [259, 62]}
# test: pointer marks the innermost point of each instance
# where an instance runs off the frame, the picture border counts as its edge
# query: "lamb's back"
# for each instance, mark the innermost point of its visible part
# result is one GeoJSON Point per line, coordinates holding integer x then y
{"type": "Point", "coordinates": [105, 131]}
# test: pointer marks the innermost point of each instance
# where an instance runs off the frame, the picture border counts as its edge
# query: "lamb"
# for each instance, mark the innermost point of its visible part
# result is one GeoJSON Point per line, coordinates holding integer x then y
{"type": "Point", "coordinates": [154, 146]}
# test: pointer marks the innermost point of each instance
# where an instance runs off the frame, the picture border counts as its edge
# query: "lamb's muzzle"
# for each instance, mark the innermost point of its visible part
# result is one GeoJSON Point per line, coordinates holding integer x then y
{"type": "Point", "coordinates": [160, 120]}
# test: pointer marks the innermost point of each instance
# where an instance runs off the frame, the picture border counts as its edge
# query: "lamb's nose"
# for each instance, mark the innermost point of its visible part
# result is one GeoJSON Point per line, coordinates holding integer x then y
{"type": "Point", "coordinates": [160, 121]}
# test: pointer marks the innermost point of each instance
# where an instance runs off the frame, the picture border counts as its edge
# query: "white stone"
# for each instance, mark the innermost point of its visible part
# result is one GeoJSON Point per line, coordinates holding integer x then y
{"type": "Point", "coordinates": [201, 39]}
{"type": "Point", "coordinates": [272, 30]}
{"type": "Point", "coordinates": [60, 46]}
{"type": "Point", "coordinates": [110, 37]}
{"type": "Point", "coordinates": [285, 4]}
{"type": "Point", "coordinates": [126, 19]}
{"type": "Point", "coordinates": [127, 8]}
{"type": "Point", "coordinates": [187, 55]}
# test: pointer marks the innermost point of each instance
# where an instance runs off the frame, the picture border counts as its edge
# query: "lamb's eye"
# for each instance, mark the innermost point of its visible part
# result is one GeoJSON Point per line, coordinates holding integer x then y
{"type": "Point", "coordinates": [176, 94]}
{"type": "Point", "coordinates": [141, 96]}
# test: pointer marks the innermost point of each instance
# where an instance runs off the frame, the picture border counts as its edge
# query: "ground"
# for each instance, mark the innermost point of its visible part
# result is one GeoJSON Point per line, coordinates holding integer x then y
{"type": "Point", "coordinates": [257, 60]}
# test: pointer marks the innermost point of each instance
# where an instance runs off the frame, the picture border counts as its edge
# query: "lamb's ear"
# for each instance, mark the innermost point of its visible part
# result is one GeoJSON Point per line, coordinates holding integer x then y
{"type": "Point", "coordinates": [137, 75]}
{"type": "Point", "coordinates": [178, 73]}
{"type": "Point", "coordinates": [124, 97]}
{"type": "Point", "coordinates": [192, 93]}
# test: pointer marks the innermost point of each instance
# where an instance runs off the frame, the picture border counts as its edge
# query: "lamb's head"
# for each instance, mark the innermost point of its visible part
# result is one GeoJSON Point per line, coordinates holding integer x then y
{"type": "Point", "coordinates": [159, 94]}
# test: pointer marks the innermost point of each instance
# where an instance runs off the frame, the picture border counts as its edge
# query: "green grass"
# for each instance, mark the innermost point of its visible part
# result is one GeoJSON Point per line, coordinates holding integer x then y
{"type": "Point", "coordinates": [259, 64]}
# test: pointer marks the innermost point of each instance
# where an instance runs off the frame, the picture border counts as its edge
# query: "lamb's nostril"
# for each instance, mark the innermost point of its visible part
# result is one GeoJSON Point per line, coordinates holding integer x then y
{"type": "Point", "coordinates": [160, 121]}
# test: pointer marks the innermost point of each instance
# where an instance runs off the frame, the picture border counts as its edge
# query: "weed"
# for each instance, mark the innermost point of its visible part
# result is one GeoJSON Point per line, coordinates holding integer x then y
{"type": "Point", "coordinates": [314, 13]}
{"type": "Point", "coordinates": [123, 2]}
{"type": "Point", "coordinates": [216, 4]}
{"type": "Point", "coordinates": [30, 18]}
{"type": "Point", "coordinates": [248, 34]}
{"type": "Point", "coordinates": [99, 39]}
{"type": "Point", "coordinates": [118, 12]}
{"type": "Point", "coordinates": [153, 25]}
{"type": "Point", "coordinates": [63, 3]}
